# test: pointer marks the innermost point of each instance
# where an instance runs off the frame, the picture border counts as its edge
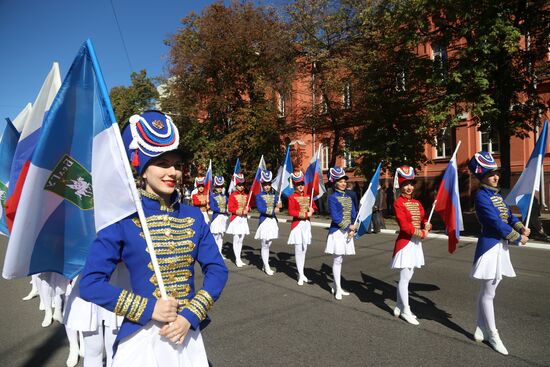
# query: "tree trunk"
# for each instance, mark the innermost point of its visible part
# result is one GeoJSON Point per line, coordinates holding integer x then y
{"type": "Point", "coordinates": [505, 168]}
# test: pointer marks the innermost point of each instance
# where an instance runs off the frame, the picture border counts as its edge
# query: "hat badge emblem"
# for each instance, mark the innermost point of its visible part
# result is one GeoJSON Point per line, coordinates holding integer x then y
{"type": "Point", "coordinates": [158, 124]}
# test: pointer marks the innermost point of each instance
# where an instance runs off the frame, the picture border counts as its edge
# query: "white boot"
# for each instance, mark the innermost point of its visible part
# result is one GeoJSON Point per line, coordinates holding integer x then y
{"type": "Point", "coordinates": [480, 334]}
{"type": "Point", "coordinates": [396, 311]}
{"type": "Point", "coordinates": [58, 315]}
{"type": "Point", "coordinates": [47, 317]}
{"type": "Point", "coordinates": [268, 270]}
{"type": "Point", "coordinates": [239, 263]}
{"type": "Point", "coordinates": [33, 293]}
{"type": "Point", "coordinates": [81, 349]}
{"type": "Point", "coordinates": [496, 343]}
{"type": "Point", "coordinates": [72, 360]}
{"type": "Point", "coordinates": [408, 316]}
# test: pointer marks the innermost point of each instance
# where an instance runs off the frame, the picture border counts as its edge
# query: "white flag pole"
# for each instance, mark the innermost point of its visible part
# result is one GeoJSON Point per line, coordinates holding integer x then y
{"type": "Point", "coordinates": [141, 214]}
{"type": "Point", "coordinates": [453, 157]}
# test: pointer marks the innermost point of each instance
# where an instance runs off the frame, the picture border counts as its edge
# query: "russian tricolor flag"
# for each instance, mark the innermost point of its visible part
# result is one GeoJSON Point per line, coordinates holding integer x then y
{"type": "Point", "coordinates": [30, 134]}
{"type": "Point", "coordinates": [8, 142]}
{"type": "Point", "coordinates": [447, 203]}
{"type": "Point", "coordinates": [78, 180]}
{"type": "Point", "coordinates": [313, 177]}
{"type": "Point", "coordinates": [529, 182]}
{"type": "Point", "coordinates": [256, 185]}
{"type": "Point", "coordinates": [208, 180]}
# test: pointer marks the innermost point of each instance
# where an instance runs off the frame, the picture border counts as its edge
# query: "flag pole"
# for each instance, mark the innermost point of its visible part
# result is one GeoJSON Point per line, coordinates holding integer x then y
{"type": "Point", "coordinates": [438, 191]}
{"type": "Point", "coordinates": [129, 175]}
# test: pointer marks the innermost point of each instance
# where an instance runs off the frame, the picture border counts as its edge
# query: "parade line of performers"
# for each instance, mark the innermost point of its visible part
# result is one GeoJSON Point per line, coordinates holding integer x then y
{"type": "Point", "coordinates": [116, 304]}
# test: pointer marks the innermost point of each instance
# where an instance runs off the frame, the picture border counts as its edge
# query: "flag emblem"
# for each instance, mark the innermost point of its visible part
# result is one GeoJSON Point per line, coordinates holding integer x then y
{"type": "Point", "coordinates": [70, 180]}
{"type": "Point", "coordinates": [3, 193]}
{"type": "Point", "coordinates": [158, 124]}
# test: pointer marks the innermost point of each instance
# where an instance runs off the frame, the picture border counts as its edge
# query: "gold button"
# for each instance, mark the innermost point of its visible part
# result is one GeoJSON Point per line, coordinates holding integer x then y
{"type": "Point", "coordinates": [166, 218]}
{"type": "Point", "coordinates": [167, 233]}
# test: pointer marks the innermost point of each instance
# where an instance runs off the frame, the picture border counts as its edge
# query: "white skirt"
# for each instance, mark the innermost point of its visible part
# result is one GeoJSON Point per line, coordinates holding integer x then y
{"type": "Point", "coordinates": [410, 256]}
{"type": "Point", "coordinates": [146, 348]}
{"type": "Point", "coordinates": [339, 244]}
{"type": "Point", "coordinates": [268, 230]}
{"type": "Point", "coordinates": [494, 264]}
{"type": "Point", "coordinates": [239, 225]}
{"type": "Point", "coordinates": [301, 234]}
{"type": "Point", "coordinates": [219, 225]}
{"type": "Point", "coordinates": [206, 218]}
{"type": "Point", "coordinates": [86, 316]}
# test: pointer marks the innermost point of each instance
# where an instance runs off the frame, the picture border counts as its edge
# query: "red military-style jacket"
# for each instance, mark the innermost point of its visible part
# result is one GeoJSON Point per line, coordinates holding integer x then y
{"type": "Point", "coordinates": [298, 206]}
{"type": "Point", "coordinates": [201, 201]}
{"type": "Point", "coordinates": [411, 219]}
{"type": "Point", "coordinates": [237, 204]}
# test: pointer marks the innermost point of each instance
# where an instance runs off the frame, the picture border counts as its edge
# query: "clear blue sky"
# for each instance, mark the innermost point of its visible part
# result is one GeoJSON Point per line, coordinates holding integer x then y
{"type": "Point", "coordinates": [35, 33]}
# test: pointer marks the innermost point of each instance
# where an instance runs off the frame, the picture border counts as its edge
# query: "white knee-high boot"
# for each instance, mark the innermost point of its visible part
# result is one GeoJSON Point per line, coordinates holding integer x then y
{"type": "Point", "coordinates": [72, 336]}
{"type": "Point", "coordinates": [486, 297]}
{"type": "Point", "coordinates": [265, 256]}
{"type": "Point", "coordinates": [110, 336]}
{"type": "Point", "coordinates": [237, 248]}
{"type": "Point", "coordinates": [405, 276]}
{"type": "Point", "coordinates": [93, 350]}
{"type": "Point", "coordinates": [300, 256]}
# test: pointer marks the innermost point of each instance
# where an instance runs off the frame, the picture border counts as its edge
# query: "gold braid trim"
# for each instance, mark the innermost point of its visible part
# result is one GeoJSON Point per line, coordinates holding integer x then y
{"type": "Point", "coordinates": [120, 301]}
{"type": "Point", "coordinates": [201, 315]}
{"type": "Point", "coordinates": [513, 236]}
{"type": "Point", "coordinates": [518, 226]}
{"type": "Point", "coordinates": [140, 310]}
{"type": "Point", "coordinates": [127, 304]}
{"type": "Point", "coordinates": [132, 313]}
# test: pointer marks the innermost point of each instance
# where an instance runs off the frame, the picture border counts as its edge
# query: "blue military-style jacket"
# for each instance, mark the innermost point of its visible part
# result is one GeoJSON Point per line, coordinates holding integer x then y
{"type": "Point", "coordinates": [266, 203]}
{"type": "Point", "coordinates": [342, 211]}
{"type": "Point", "coordinates": [180, 237]}
{"type": "Point", "coordinates": [496, 220]}
{"type": "Point", "coordinates": [218, 205]}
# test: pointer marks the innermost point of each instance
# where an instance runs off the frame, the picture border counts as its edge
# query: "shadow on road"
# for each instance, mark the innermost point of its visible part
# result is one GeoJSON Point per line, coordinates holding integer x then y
{"type": "Point", "coordinates": [42, 354]}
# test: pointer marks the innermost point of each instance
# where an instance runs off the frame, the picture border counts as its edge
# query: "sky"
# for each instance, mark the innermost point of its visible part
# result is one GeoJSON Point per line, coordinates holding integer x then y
{"type": "Point", "coordinates": [36, 33]}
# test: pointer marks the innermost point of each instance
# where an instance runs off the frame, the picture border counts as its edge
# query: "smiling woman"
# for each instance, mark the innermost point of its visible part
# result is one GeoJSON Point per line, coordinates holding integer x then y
{"type": "Point", "coordinates": [156, 331]}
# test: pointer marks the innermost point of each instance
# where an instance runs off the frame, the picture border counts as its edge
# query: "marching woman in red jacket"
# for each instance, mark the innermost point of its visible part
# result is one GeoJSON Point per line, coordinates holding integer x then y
{"type": "Point", "coordinates": [300, 208]}
{"type": "Point", "coordinates": [413, 228]}
{"type": "Point", "coordinates": [238, 225]}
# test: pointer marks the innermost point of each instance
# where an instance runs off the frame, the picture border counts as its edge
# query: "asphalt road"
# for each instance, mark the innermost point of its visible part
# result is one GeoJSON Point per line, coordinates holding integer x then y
{"type": "Point", "coordinates": [271, 321]}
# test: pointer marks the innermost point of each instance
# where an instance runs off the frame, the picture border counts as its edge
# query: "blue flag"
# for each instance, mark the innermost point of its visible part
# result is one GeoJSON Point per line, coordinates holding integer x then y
{"type": "Point", "coordinates": [77, 182]}
{"type": "Point", "coordinates": [8, 142]}
{"type": "Point", "coordinates": [364, 215]}
{"type": "Point", "coordinates": [529, 182]}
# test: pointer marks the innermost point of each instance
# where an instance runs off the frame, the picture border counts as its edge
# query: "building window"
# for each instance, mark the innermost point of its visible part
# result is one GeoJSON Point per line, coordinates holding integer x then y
{"type": "Point", "coordinates": [281, 108]}
{"type": "Point", "coordinates": [400, 81]}
{"type": "Point", "coordinates": [490, 141]}
{"type": "Point", "coordinates": [346, 96]}
{"type": "Point", "coordinates": [323, 108]}
{"type": "Point", "coordinates": [349, 161]}
{"type": "Point", "coordinates": [325, 155]}
{"type": "Point", "coordinates": [443, 144]}
{"type": "Point", "coordinates": [440, 58]}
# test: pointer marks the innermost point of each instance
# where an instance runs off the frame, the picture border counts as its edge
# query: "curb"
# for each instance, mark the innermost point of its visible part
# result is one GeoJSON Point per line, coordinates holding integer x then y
{"type": "Point", "coordinates": [535, 245]}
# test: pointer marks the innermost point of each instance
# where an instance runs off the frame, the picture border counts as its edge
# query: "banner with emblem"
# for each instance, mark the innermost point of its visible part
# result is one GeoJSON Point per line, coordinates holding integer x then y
{"type": "Point", "coordinates": [76, 183]}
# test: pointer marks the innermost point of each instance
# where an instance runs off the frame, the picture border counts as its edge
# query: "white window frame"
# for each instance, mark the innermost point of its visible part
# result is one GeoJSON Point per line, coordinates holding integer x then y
{"type": "Point", "coordinates": [346, 96]}
{"type": "Point", "coordinates": [443, 144]}
{"type": "Point", "coordinates": [492, 140]}
{"type": "Point", "coordinates": [325, 156]}
{"type": "Point", "coordinates": [281, 105]}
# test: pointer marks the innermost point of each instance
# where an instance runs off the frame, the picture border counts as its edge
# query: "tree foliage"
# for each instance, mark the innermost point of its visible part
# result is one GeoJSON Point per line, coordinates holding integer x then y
{"type": "Point", "coordinates": [138, 97]}
{"type": "Point", "coordinates": [225, 66]}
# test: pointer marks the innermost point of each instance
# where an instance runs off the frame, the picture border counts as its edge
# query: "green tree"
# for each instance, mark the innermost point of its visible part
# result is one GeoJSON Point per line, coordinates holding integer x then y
{"type": "Point", "coordinates": [138, 97]}
{"type": "Point", "coordinates": [226, 65]}
{"type": "Point", "coordinates": [497, 57]}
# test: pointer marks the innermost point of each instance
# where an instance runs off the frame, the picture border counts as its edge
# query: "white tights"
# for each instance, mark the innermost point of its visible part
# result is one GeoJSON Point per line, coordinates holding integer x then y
{"type": "Point", "coordinates": [405, 276]}
{"type": "Point", "coordinates": [300, 256]}
{"type": "Point", "coordinates": [238, 245]}
{"type": "Point", "coordinates": [218, 237]}
{"type": "Point", "coordinates": [265, 252]}
{"type": "Point", "coordinates": [337, 272]}
{"type": "Point", "coordinates": [485, 309]}
{"type": "Point", "coordinates": [95, 342]}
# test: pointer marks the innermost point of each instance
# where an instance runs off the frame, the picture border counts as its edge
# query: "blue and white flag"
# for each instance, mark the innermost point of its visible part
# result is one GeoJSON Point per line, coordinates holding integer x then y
{"type": "Point", "coordinates": [364, 215]}
{"type": "Point", "coordinates": [282, 182]}
{"type": "Point", "coordinates": [77, 182]}
{"type": "Point", "coordinates": [529, 182]}
{"type": "Point", "coordinates": [237, 169]}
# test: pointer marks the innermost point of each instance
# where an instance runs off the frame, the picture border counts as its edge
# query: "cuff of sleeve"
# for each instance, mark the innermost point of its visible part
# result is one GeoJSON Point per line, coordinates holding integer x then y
{"type": "Point", "coordinates": [196, 310]}
{"type": "Point", "coordinates": [513, 236]}
{"type": "Point", "coordinates": [518, 226]}
{"type": "Point", "coordinates": [418, 233]}
{"type": "Point", "coordinates": [134, 307]}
